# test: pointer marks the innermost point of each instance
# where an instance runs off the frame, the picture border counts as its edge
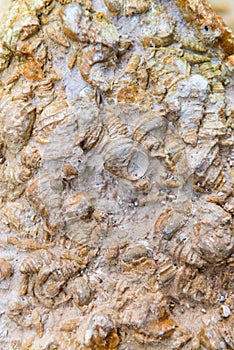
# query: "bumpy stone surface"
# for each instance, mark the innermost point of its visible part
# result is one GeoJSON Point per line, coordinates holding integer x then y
{"type": "Point", "coordinates": [116, 176]}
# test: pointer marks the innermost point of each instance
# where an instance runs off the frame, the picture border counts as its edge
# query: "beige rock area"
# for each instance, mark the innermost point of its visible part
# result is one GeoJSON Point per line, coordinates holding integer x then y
{"type": "Point", "coordinates": [4, 5]}
{"type": "Point", "coordinates": [116, 176]}
{"type": "Point", "coordinates": [225, 9]}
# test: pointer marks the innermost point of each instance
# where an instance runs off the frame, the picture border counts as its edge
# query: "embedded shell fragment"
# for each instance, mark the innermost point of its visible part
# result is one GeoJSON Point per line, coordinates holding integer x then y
{"type": "Point", "coordinates": [116, 176]}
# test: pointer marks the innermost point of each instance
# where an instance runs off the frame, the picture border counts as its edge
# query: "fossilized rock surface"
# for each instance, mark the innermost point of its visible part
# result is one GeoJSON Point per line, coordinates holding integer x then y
{"type": "Point", "coordinates": [225, 9]}
{"type": "Point", "coordinates": [116, 176]}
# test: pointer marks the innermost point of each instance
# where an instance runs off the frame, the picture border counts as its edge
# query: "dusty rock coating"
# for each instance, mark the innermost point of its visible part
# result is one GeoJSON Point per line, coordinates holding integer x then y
{"type": "Point", "coordinates": [116, 135]}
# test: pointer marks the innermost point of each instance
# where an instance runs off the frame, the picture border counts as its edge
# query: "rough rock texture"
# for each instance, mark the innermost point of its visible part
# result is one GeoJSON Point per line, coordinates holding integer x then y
{"type": "Point", "coordinates": [116, 176]}
{"type": "Point", "coordinates": [225, 9]}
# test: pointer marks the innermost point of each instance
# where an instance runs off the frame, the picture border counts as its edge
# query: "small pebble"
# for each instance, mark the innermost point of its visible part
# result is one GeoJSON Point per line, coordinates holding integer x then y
{"type": "Point", "coordinates": [225, 311]}
{"type": "Point", "coordinates": [222, 298]}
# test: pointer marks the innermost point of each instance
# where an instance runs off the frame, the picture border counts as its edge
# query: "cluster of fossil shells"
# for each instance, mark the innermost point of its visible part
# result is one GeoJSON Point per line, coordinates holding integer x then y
{"type": "Point", "coordinates": [116, 176]}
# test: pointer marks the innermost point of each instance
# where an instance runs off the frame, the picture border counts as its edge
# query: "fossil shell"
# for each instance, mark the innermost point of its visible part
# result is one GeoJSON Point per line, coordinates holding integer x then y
{"type": "Point", "coordinates": [29, 319]}
{"type": "Point", "coordinates": [198, 288]}
{"type": "Point", "coordinates": [132, 64]}
{"type": "Point", "coordinates": [151, 130]}
{"type": "Point", "coordinates": [39, 192]}
{"type": "Point", "coordinates": [158, 30]}
{"type": "Point", "coordinates": [193, 45]}
{"type": "Point", "coordinates": [17, 120]}
{"type": "Point", "coordinates": [218, 231]}
{"type": "Point", "coordinates": [115, 126]}
{"type": "Point", "coordinates": [5, 57]}
{"type": "Point", "coordinates": [101, 333]}
{"type": "Point", "coordinates": [90, 127]}
{"type": "Point", "coordinates": [96, 28]}
{"type": "Point", "coordinates": [135, 254]}
{"type": "Point", "coordinates": [31, 158]}
{"type": "Point", "coordinates": [92, 57]}
{"type": "Point", "coordinates": [71, 18]}
{"type": "Point", "coordinates": [169, 222]}
{"type": "Point", "coordinates": [53, 34]}
{"type": "Point", "coordinates": [45, 92]}
{"type": "Point", "coordinates": [20, 175]}
{"type": "Point", "coordinates": [33, 263]}
{"type": "Point", "coordinates": [125, 8]}
{"type": "Point", "coordinates": [52, 115]}
{"type": "Point", "coordinates": [163, 68]}
{"type": "Point", "coordinates": [78, 205]}
{"type": "Point", "coordinates": [5, 269]}
{"type": "Point", "coordinates": [166, 269]}
{"type": "Point", "coordinates": [46, 285]}
{"type": "Point", "coordinates": [78, 208]}
{"type": "Point", "coordinates": [191, 92]}
{"type": "Point", "coordinates": [125, 160]}
{"type": "Point", "coordinates": [81, 292]}
{"type": "Point", "coordinates": [27, 26]}
{"type": "Point", "coordinates": [18, 216]}
{"type": "Point", "coordinates": [122, 158]}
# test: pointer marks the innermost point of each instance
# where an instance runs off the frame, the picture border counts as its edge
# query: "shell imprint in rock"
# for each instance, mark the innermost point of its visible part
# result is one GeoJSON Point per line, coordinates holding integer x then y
{"type": "Point", "coordinates": [116, 176]}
